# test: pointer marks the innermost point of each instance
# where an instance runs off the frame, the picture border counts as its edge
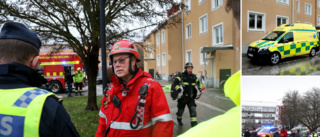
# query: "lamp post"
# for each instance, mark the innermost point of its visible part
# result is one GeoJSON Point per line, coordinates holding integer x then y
{"type": "Point", "coordinates": [103, 44]}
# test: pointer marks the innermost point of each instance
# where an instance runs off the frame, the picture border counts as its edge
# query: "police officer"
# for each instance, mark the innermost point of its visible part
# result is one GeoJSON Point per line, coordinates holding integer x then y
{"type": "Point", "coordinates": [186, 88]}
{"type": "Point", "coordinates": [24, 109]}
{"type": "Point", "coordinates": [78, 79]}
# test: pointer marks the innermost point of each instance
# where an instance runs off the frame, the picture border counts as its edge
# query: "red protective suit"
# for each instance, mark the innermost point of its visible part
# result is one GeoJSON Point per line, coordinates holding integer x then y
{"type": "Point", "coordinates": [157, 119]}
{"type": "Point", "coordinates": [283, 133]}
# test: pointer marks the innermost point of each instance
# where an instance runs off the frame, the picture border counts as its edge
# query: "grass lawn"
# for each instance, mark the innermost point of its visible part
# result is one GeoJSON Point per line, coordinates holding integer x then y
{"type": "Point", "coordinates": [86, 122]}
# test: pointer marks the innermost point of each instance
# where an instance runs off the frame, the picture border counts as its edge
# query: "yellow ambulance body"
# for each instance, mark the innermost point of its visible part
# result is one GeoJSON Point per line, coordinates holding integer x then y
{"type": "Point", "coordinates": [287, 40]}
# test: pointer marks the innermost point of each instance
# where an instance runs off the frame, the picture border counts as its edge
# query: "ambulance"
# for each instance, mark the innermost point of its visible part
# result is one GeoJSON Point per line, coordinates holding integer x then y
{"type": "Point", "coordinates": [287, 40]}
{"type": "Point", "coordinates": [53, 68]}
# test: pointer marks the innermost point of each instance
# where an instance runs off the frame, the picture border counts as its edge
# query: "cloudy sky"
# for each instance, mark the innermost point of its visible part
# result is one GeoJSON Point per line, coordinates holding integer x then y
{"type": "Point", "coordinates": [273, 88]}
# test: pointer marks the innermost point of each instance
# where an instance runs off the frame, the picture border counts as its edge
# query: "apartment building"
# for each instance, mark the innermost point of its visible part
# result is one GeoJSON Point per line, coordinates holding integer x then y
{"type": "Point", "coordinates": [257, 114]}
{"type": "Point", "coordinates": [205, 36]}
{"type": "Point", "coordinates": [260, 17]}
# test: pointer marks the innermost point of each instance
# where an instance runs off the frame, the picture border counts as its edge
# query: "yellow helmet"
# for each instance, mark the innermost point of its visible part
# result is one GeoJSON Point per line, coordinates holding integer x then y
{"type": "Point", "coordinates": [78, 69]}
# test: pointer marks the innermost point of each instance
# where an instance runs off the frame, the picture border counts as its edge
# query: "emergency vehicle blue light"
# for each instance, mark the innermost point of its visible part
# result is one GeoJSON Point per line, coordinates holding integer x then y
{"type": "Point", "coordinates": [63, 62]}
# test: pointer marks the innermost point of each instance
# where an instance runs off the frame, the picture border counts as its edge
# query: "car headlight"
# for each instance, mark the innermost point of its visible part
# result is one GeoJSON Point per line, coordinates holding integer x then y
{"type": "Point", "coordinates": [263, 49]}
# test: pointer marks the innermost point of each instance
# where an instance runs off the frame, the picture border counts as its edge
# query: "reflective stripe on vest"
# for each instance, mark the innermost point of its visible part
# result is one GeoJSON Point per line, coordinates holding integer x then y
{"type": "Point", "coordinates": [20, 111]}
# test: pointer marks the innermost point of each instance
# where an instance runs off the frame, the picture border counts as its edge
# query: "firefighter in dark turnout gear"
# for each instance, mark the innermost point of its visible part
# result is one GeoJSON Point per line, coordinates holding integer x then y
{"type": "Point", "coordinates": [186, 88]}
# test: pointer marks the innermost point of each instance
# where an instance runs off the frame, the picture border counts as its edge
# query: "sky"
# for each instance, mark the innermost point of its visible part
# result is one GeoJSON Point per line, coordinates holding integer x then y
{"type": "Point", "coordinates": [273, 88]}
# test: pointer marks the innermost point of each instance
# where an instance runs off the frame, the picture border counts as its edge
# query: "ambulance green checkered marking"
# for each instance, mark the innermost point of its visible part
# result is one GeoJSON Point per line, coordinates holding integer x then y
{"type": "Point", "coordinates": [303, 44]}
{"type": "Point", "coordinates": [304, 70]}
{"type": "Point", "coordinates": [296, 48]}
{"type": "Point", "coordinates": [287, 52]}
{"type": "Point", "coordinates": [281, 49]}
{"type": "Point", "coordinates": [293, 46]}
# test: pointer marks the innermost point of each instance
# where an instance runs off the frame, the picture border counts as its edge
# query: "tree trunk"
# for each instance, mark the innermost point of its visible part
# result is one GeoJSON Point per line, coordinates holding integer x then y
{"type": "Point", "coordinates": [92, 72]}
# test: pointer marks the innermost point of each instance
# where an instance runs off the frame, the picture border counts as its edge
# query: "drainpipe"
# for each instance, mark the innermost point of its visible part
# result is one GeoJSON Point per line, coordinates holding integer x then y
{"type": "Point", "coordinates": [182, 42]}
{"type": "Point", "coordinates": [292, 18]}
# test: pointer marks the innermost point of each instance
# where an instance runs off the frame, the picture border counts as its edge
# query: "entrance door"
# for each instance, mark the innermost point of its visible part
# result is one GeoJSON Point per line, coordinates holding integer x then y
{"type": "Point", "coordinates": [151, 71]}
{"type": "Point", "coordinates": [224, 75]}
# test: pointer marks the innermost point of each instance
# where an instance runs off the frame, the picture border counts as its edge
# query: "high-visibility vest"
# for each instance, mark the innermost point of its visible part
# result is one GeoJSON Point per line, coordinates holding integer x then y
{"type": "Point", "coordinates": [78, 77]}
{"type": "Point", "coordinates": [20, 111]}
{"type": "Point", "coordinates": [227, 124]}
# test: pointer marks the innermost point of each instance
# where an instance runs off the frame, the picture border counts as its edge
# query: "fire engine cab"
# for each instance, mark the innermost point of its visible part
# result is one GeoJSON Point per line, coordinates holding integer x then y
{"type": "Point", "coordinates": [53, 68]}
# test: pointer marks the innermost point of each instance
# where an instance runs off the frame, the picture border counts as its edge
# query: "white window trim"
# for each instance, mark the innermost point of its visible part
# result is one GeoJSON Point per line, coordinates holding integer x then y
{"type": "Point", "coordinates": [163, 39]}
{"type": "Point", "coordinates": [214, 8]}
{"type": "Point", "coordinates": [151, 54]}
{"type": "Point", "coordinates": [158, 42]}
{"type": "Point", "coordinates": [158, 60]}
{"type": "Point", "coordinates": [318, 21]}
{"type": "Point", "coordinates": [202, 61]}
{"type": "Point", "coordinates": [281, 17]}
{"type": "Point", "coordinates": [263, 22]}
{"type": "Point", "coordinates": [283, 3]}
{"type": "Point", "coordinates": [298, 6]}
{"type": "Point", "coordinates": [200, 2]}
{"type": "Point", "coordinates": [318, 3]}
{"type": "Point", "coordinates": [190, 30]}
{"type": "Point", "coordinates": [305, 9]}
{"type": "Point", "coordinates": [163, 60]}
{"type": "Point", "coordinates": [187, 55]}
{"type": "Point", "coordinates": [200, 24]}
{"type": "Point", "coordinates": [214, 34]}
{"type": "Point", "coordinates": [187, 5]}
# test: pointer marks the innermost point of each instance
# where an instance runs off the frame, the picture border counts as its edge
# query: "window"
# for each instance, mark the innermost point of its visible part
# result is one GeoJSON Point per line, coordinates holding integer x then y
{"type": "Point", "coordinates": [203, 57]}
{"type": "Point", "coordinates": [64, 48]}
{"type": "Point", "coordinates": [41, 48]}
{"type": "Point", "coordinates": [70, 48]}
{"type": "Point", "coordinates": [283, 1]}
{"type": "Point", "coordinates": [203, 24]}
{"type": "Point", "coordinates": [158, 39]}
{"type": "Point", "coordinates": [150, 50]}
{"type": "Point", "coordinates": [158, 60]}
{"type": "Point", "coordinates": [256, 21]}
{"type": "Point", "coordinates": [216, 4]}
{"type": "Point", "coordinates": [308, 9]}
{"type": "Point", "coordinates": [55, 48]}
{"type": "Point", "coordinates": [163, 59]}
{"type": "Point", "coordinates": [282, 20]}
{"type": "Point", "coordinates": [298, 5]}
{"type": "Point", "coordinates": [286, 38]}
{"type": "Point", "coordinates": [318, 20]}
{"type": "Point", "coordinates": [47, 48]}
{"type": "Point", "coordinates": [318, 3]}
{"type": "Point", "coordinates": [200, 1]}
{"type": "Point", "coordinates": [188, 5]}
{"type": "Point", "coordinates": [188, 56]}
{"type": "Point", "coordinates": [163, 36]}
{"type": "Point", "coordinates": [188, 31]}
{"type": "Point", "coordinates": [217, 34]}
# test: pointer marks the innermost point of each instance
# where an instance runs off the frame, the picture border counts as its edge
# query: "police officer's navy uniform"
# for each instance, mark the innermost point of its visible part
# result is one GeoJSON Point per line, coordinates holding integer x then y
{"type": "Point", "coordinates": [26, 110]}
{"type": "Point", "coordinates": [189, 84]}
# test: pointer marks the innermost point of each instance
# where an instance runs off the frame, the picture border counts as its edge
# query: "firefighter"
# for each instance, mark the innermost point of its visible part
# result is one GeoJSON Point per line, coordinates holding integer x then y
{"type": "Point", "coordinates": [186, 88]}
{"type": "Point", "coordinates": [24, 109]}
{"type": "Point", "coordinates": [134, 104]}
{"type": "Point", "coordinates": [78, 79]}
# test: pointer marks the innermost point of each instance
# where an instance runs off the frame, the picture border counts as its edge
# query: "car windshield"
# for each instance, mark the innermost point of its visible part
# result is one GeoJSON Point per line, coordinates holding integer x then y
{"type": "Point", "coordinates": [273, 36]}
{"type": "Point", "coordinates": [265, 130]}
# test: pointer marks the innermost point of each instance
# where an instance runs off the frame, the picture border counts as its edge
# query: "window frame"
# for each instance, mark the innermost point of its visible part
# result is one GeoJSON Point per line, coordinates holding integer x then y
{"type": "Point", "coordinates": [163, 36]}
{"type": "Point", "coordinates": [214, 43]}
{"type": "Point", "coordinates": [187, 56]}
{"type": "Point", "coordinates": [281, 2]}
{"type": "Point", "coordinates": [305, 11]}
{"type": "Point", "coordinates": [163, 57]}
{"type": "Point", "coordinates": [201, 1]}
{"type": "Point", "coordinates": [158, 39]}
{"type": "Point", "coordinates": [279, 16]}
{"type": "Point", "coordinates": [202, 60]}
{"type": "Point", "coordinates": [188, 8]}
{"type": "Point", "coordinates": [200, 24]}
{"type": "Point", "coordinates": [189, 24]}
{"type": "Point", "coordinates": [213, 6]}
{"type": "Point", "coordinates": [298, 6]}
{"type": "Point", "coordinates": [158, 60]}
{"type": "Point", "coordinates": [263, 22]}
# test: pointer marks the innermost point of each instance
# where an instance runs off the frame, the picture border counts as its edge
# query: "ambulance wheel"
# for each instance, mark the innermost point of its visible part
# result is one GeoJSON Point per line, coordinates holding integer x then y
{"type": "Point", "coordinates": [312, 52]}
{"type": "Point", "coordinates": [56, 86]}
{"type": "Point", "coordinates": [274, 58]}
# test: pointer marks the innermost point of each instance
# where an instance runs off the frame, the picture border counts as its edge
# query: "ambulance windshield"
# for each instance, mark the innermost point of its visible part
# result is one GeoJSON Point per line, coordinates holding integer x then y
{"type": "Point", "coordinates": [273, 36]}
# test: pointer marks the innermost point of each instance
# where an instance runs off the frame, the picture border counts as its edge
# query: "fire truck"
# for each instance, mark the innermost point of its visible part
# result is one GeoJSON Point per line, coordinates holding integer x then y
{"type": "Point", "coordinates": [53, 68]}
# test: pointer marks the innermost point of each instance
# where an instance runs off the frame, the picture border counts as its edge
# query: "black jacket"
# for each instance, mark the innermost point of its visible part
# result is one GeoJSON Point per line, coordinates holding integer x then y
{"type": "Point", "coordinates": [188, 90]}
{"type": "Point", "coordinates": [55, 121]}
{"type": "Point", "coordinates": [69, 77]}
{"type": "Point", "coordinates": [276, 134]}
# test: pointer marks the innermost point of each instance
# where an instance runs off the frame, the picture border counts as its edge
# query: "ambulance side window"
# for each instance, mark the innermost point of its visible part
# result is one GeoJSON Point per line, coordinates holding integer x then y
{"type": "Point", "coordinates": [287, 38]}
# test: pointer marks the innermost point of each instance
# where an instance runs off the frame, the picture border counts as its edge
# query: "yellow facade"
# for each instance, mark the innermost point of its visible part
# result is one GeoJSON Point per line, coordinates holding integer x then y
{"type": "Point", "coordinates": [178, 46]}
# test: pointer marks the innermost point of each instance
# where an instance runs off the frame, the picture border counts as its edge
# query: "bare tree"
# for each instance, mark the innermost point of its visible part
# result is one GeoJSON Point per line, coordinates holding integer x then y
{"type": "Point", "coordinates": [303, 109]}
{"type": "Point", "coordinates": [290, 101]}
{"type": "Point", "coordinates": [78, 24]}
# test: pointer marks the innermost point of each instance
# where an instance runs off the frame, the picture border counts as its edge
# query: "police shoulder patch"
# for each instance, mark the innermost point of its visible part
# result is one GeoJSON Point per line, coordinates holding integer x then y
{"type": "Point", "coordinates": [57, 98]}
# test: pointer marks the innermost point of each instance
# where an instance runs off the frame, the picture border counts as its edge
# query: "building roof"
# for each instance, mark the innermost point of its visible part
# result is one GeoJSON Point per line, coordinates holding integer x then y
{"type": "Point", "coordinates": [259, 104]}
